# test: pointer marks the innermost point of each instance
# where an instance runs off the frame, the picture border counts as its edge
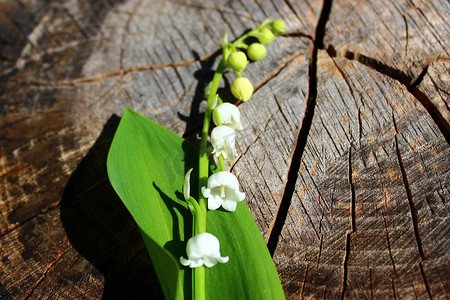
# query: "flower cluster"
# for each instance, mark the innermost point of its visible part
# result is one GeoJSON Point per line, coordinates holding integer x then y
{"type": "Point", "coordinates": [222, 188]}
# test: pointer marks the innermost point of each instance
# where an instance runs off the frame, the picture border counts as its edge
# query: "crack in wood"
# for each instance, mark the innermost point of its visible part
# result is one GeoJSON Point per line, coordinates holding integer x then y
{"type": "Point", "coordinates": [389, 246]}
{"type": "Point", "coordinates": [126, 31]}
{"type": "Point", "coordinates": [320, 251]}
{"type": "Point", "coordinates": [329, 134]}
{"type": "Point", "coordinates": [291, 8]}
{"type": "Point", "coordinates": [13, 169]}
{"type": "Point", "coordinates": [178, 99]}
{"type": "Point", "coordinates": [304, 281]}
{"type": "Point", "coordinates": [321, 199]}
{"type": "Point", "coordinates": [39, 281]}
{"type": "Point", "coordinates": [359, 125]}
{"type": "Point", "coordinates": [75, 22]}
{"type": "Point", "coordinates": [394, 294]}
{"type": "Point", "coordinates": [122, 72]}
{"type": "Point", "coordinates": [309, 218]}
{"type": "Point", "coordinates": [298, 34]}
{"type": "Point", "coordinates": [412, 207]}
{"type": "Point", "coordinates": [345, 265]}
{"type": "Point", "coordinates": [294, 166]}
{"type": "Point", "coordinates": [407, 34]}
{"type": "Point", "coordinates": [279, 108]}
{"type": "Point", "coordinates": [352, 189]}
{"type": "Point", "coordinates": [410, 83]}
{"type": "Point", "coordinates": [425, 280]}
{"type": "Point", "coordinates": [22, 223]}
{"type": "Point", "coordinates": [275, 72]}
{"type": "Point", "coordinates": [254, 141]}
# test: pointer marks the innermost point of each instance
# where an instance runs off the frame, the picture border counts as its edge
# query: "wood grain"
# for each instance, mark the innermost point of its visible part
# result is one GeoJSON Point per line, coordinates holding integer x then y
{"type": "Point", "coordinates": [345, 155]}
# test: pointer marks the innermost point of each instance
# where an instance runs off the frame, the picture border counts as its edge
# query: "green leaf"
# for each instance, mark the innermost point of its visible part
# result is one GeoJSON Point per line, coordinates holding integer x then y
{"type": "Point", "coordinates": [146, 166]}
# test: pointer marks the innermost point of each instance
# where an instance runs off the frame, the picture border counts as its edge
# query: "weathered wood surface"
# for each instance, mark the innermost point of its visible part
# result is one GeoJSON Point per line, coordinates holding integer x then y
{"type": "Point", "coordinates": [345, 155]}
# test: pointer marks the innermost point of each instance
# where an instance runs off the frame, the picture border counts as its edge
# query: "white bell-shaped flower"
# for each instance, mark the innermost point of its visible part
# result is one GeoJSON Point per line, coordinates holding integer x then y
{"type": "Point", "coordinates": [229, 115]}
{"type": "Point", "coordinates": [223, 190]}
{"type": "Point", "coordinates": [223, 139]}
{"type": "Point", "coordinates": [203, 249]}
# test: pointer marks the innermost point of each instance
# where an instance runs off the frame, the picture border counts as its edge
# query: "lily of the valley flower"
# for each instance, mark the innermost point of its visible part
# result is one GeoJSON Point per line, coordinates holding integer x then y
{"type": "Point", "coordinates": [223, 190]}
{"type": "Point", "coordinates": [229, 115]}
{"type": "Point", "coordinates": [222, 139]}
{"type": "Point", "coordinates": [203, 249]}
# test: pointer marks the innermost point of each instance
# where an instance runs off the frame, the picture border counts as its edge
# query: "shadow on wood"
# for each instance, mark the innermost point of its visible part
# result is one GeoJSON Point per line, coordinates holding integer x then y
{"type": "Point", "coordinates": [100, 228]}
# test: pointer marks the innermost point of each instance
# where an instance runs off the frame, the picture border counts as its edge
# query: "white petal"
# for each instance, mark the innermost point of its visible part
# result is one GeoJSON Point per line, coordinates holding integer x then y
{"type": "Point", "coordinates": [229, 115]}
{"type": "Point", "coordinates": [214, 202]}
{"type": "Point", "coordinates": [233, 150]}
{"type": "Point", "coordinates": [223, 139]}
{"type": "Point", "coordinates": [185, 262]}
{"type": "Point", "coordinates": [224, 113]}
{"type": "Point", "coordinates": [229, 205]}
{"type": "Point", "coordinates": [222, 151]}
{"type": "Point", "coordinates": [235, 124]}
{"type": "Point", "coordinates": [237, 196]}
{"type": "Point", "coordinates": [210, 262]}
{"type": "Point", "coordinates": [235, 116]}
{"type": "Point", "coordinates": [217, 143]}
{"type": "Point", "coordinates": [224, 178]}
{"type": "Point", "coordinates": [223, 259]}
{"type": "Point", "coordinates": [221, 134]}
{"type": "Point", "coordinates": [196, 263]}
{"type": "Point", "coordinates": [206, 192]}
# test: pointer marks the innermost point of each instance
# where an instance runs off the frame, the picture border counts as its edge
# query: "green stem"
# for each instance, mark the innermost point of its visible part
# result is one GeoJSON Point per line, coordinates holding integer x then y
{"type": "Point", "coordinates": [199, 283]}
{"type": "Point", "coordinates": [203, 159]}
{"type": "Point", "coordinates": [198, 274]}
{"type": "Point", "coordinates": [221, 163]}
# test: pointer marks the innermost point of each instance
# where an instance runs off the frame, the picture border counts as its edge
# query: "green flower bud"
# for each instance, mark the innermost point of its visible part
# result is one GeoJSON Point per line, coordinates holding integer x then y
{"type": "Point", "coordinates": [242, 89]}
{"type": "Point", "coordinates": [278, 26]}
{"type": "Point", "coordinates": [266, 36]}
{"type": "Point", "coordinates": [237, 61]}
{"type": "Point", "coordinates": [256, 51]}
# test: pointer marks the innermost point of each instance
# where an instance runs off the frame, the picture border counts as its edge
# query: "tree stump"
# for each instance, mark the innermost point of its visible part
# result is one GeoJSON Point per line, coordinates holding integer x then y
{"type": "Point", "coordinates": [345, 154]}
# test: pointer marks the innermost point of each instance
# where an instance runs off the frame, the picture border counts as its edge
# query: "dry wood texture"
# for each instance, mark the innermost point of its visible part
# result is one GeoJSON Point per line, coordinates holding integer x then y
{"type": "Point", "coordinates": [345, 151]}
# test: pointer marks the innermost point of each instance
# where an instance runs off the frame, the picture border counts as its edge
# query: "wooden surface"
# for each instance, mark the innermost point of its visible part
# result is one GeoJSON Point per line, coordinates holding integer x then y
{"type": "Point", "coordinates": [345, 149]}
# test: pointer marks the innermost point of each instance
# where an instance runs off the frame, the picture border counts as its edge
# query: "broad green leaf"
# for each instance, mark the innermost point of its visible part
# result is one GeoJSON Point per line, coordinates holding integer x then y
{"type": "Point", "coordinates": [146, 166]}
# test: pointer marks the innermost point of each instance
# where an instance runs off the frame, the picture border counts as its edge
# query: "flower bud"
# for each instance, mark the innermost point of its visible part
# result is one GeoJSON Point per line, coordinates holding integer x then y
{"type": "Point", "coordinates": [266, 36]}
{"type": "Point", "coordinates": [256, 51]}
{"type": "Point", "coordinates": [237, 61]}
{"type": "Point", "coordinates": [278, 26]}
{"type": "Point", "coordinates": [229, 115]}
{"type": "Point", "coordinates": [242, 89]}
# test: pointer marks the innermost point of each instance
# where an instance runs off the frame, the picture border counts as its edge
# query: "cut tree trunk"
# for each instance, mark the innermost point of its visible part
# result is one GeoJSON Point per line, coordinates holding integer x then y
{"type": "Point", "coordinates": [345, 154]}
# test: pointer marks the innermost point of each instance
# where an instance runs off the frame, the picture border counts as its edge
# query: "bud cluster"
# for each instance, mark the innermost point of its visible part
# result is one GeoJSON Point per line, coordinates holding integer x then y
{"type": "Point", "coordinates": [237, 60]}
